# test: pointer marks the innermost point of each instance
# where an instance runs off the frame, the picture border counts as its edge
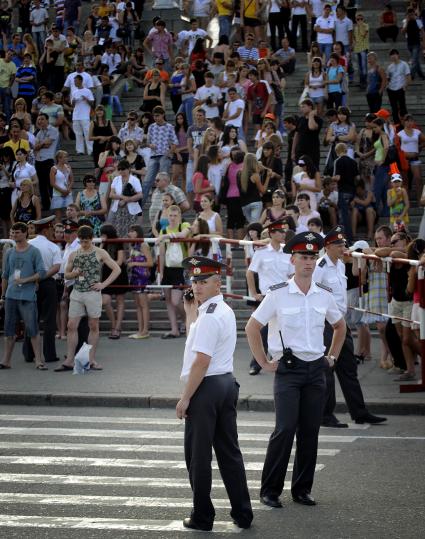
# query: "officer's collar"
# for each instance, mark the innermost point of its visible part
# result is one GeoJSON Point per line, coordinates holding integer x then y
{"type": "Point", "coordinates": [293, 288]}
{"type": "Point", "coordinates": [329, 261]}
{"type": "Point", "coordinates": [215, 299]}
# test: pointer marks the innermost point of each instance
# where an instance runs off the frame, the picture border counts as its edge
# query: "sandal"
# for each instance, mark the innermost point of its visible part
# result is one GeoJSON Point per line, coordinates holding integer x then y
{"type": "Point", "coordinates": [41, 367]}
{"type": "Point", "coordinates": [138, 336]}
{"type": "Point", "coordinates": [170, 336]}
{"type": "Point", "coordinates": [115, 335]}
{"type": "Point", "coordinates": [64, 368]}
{"type": "Point", "coordinates": [96, 367]}
{"type": "Point", "coordinates": [3, 366]}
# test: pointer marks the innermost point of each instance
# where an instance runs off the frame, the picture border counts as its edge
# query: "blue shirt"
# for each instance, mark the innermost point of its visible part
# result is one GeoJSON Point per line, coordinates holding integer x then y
{"type": "Point", "coordinates": [27, 262]}
{"type": "Point", "coordinates": [27, 88]}
{"type": "Point", "coordinates": [332, 75]}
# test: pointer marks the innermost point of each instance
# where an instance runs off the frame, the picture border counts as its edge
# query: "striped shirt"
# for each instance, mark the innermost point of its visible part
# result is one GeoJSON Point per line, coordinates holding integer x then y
{"type": "Point", "coordinates": [248, 53]}
{"type": "Point", "coordinates": [27, 88]}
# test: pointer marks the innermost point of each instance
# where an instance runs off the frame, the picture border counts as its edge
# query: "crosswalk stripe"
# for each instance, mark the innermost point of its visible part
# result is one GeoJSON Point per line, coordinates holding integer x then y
{"type": "Point", "coordinates": [109, 501]}
{"type": "Point", "coordinates": [103, 480]}
{"type": "Point", "coordinates": [21, 521]}
{"type": "Point", "coordinates": [135, 420]}
{"type": "Point", "coordinates": [163, 435]}
{"type": "Point", "coordinates": [36, 460]}
{"type": "Point", "coordinates": [134, 448]}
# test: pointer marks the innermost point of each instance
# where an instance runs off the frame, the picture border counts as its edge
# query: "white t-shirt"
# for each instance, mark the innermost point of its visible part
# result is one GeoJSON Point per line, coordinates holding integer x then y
{"type": "Point", "coordinates": [87, 80]}
{"type": "Point", "coordinates": [82, 107]}
{"type": "Point", "coordinates": [397, 74]}
{"type": "Point", "coordinates": [111, 60]}
{"type": "Point", "coordinates": [317, 7]}
{"type": "Point", "coordinates": [299, 10]}
{"type": "Point", "coordinates": [122, 5]}
{"type": "Point", "coordinates": [327, 23]}
{"type": "Point", "coordinates": [192, 36]}
{"type": "Point", "coordinates": [342, 27]}
{"type": "Point", "coordinates": [201, 8]}
{"type": "Point", "coordinates": [232, 107]}
{"type": "Point", "coordinates": [203, 93]}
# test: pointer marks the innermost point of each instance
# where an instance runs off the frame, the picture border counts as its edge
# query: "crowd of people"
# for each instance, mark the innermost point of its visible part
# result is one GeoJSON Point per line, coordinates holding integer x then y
{"type": "Point", "coordinates": [229, 163]}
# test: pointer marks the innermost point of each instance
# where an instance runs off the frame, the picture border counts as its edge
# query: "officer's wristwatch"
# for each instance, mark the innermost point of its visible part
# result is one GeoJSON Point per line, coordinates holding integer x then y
{"type": "Point", "coordinates": [331, 361]}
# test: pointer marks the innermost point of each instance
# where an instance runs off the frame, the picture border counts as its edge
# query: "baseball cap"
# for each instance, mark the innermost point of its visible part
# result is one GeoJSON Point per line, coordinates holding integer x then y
{"type": "Point", "coordinates": [383, 113]}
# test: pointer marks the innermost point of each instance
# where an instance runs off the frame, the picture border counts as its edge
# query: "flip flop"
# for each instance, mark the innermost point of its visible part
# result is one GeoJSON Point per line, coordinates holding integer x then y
{"type": "Point", "coordinates": [96, 367]}
{"type": "Point", "coordinates": [42, 367]}
{"type": "Point", "coordinates": [170, 336]}
{"type": "Point", "coordinates": [4, 366]}
{"type": "Point", "coordinates": [136, 336]}
{"type": "Point", "coordinates": [64, 368]}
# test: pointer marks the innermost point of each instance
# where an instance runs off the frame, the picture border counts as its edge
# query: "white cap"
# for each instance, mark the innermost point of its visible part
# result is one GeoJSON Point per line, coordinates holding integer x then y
{"type": "Point", "coordinates": [396, 177]}
{"type": "Point", "coordinates": [359, 244]}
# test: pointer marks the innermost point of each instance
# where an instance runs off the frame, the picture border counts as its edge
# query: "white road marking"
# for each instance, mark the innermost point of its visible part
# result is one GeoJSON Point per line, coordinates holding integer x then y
{"type": "Point", "coordinates": [134, 448]}
{"type": "Point", "coordinates": [36, 460]}
{"type": "Point", "coordinates": [153, 482]}
{"type": "Point", "coordinates": [20, 521]}
{"type": "Point", "coordinates": [140, 434]}
{"type": "Point", "coordinates": [135, 420]}
{"type": "Point", "coordinates": [108, 501]}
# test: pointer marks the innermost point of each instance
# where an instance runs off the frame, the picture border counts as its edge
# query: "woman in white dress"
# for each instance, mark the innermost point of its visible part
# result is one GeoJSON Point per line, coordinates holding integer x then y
{"type": "Point", "coordinates": [22, 171]}
{"type": "Point", "coordinates": [61, 181]}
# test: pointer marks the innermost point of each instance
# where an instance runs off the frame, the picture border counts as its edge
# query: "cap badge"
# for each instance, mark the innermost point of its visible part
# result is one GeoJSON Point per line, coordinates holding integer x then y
{"type": "Point", "coordinates": [309, 246]}
{"type": "Point", "coordinates": [196, 271]}
{"type": "Point", "coordinates": [340, 236]}
{"type": "Point", "coordinates": [310, 237]}
{"type": "Point", "coordinates": [194, 262]}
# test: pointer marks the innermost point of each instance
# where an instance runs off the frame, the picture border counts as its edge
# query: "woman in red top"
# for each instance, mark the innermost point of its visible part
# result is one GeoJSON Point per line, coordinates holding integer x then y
{"type": "Point", "coordinates": [388, 28]}
{"type": "Point", "coordinates": [201, 183]}
{"type": "Point", "coordinates": [198, 52]}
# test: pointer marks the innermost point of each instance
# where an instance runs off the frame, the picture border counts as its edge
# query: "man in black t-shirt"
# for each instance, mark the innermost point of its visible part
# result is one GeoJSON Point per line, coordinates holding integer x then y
{"type": "Point", "coordinates": [345, 173]}
{"type": "Point", "coordinates": [306, 140]}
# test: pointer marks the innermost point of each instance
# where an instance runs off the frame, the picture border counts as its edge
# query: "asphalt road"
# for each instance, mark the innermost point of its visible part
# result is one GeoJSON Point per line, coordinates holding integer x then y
{"type": "Point", "coordinates": [112, 473]}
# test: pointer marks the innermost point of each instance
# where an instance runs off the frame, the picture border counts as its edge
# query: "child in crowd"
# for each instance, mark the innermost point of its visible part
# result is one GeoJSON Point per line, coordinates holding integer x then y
{"type": "Point", "coordinates": [398, 202]}
{"type": "Point", "coordinates": [328, 202]}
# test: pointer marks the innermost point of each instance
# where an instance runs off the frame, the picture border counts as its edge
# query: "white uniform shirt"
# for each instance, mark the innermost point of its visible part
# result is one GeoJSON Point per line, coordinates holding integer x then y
{"type": "Point", "coordinates": [50, 252]}
{"type": "Point", "coordinates": [272, 266]}
{"type": "Point", "coordinates": [213, 333]}
{"type": "Point", "coordinates": [333, 276]}
{"type": "Point", "coordinates": [300, 318]}
{"type": "Point", "coordinates": [69, 248]}
{"type": "Point", "coordinates": [82, 107]}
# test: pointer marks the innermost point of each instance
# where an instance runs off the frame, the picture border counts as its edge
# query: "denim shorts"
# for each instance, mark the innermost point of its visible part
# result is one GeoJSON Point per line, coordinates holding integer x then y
{"type": "Point", "coordinates": [18, 309]}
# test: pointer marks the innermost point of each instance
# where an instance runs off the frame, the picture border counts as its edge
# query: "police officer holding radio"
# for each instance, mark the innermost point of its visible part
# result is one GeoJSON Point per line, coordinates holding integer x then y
{"type": "Point", "coordinates": [209, 398]}
{"type": "Point", "coordinates": [330, 271]}
{"type": "Point", "coordinates": [272, 266]}
{"type": "Point", "coordinates": [300, 307]}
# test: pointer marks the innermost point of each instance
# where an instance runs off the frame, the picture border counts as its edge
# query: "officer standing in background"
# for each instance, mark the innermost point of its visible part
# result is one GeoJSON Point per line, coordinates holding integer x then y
{"type": "Point", "coordinates": [210, 396]}
{"type": "Point", "coordinates": [330, 271]}
{"type": "Point", "coordinates": [300, 307]}
{"type": "Point", "coordinates": [273, 266]}
{"type": "Point", "coordinates": [47, 300]}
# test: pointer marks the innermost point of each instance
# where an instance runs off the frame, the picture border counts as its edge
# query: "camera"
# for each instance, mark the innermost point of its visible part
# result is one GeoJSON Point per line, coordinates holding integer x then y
{"type": "Point", "coordinates": [209, 101]}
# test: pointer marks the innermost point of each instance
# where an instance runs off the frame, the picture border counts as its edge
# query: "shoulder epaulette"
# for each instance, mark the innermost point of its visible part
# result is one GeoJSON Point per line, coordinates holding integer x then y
{"type": "Point", "coordinates": [322, 263]}
{"type": "Point", "coordinates": [211, 308]}
{"type": "Point", "coordinates": [320, 285]}
{"type": "Point", "coordinates": [277, 286]}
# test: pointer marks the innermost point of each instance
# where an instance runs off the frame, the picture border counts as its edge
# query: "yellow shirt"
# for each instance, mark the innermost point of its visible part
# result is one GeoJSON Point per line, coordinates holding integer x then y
{"type": "Point", "coordinates": [222, 9]}
{"type": "Point", "coordinates": [249, 9]}
{"type": "Point", "coordinates": [21, 143]}
{"type": "Point", "coordinates": [7, 69]}
{"type": "Point", "coordinates": [103, 11]}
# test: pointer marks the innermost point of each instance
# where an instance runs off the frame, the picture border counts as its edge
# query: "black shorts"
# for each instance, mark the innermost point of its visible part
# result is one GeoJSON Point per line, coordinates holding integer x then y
{"type": "Point", "coordinates": [173, 276]}
{"type": "Point", "coordinates": [251, 22]}
{"type": "Point", "coordinates": [257, 119]}
{"type": "Point", "coordinates": [235, 217]}
{"type": "Point", "coordinates": [185, 159]}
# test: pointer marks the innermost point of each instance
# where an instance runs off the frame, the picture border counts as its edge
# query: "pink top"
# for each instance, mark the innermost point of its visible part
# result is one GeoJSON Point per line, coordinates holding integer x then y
{"type": "Point", "coordinates": [232, 171]}
{"type": "Point", "coordinates": [204, 183]}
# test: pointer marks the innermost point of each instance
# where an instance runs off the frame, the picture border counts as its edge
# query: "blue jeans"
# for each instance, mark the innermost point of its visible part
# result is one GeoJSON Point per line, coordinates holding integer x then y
{"type": "Point", "coordinates": [344, 200]}
{"type": "Point", "coordinates": [6, 100]}
{"type": "Point", "coordinates": [225, 25]}
{"type": "Point", "coordinates": [415, 54]}
{"type": "Point", "coordinates": [187, 107]}
{"type": "Point", "coordinates": [39, 39]}
{"type": "Point", "coordinates": [380, 187]}
{"type": "Point", "coordinates": [252, 211]}
{"type": "Point", "coordinates": [326, 49]}
{"type": "Point", "coordinates": [157, 163]}
{"type": "Point", "coordinates": [362, 63]}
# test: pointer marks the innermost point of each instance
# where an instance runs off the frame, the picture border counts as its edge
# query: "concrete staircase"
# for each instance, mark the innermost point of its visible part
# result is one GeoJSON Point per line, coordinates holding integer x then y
{"type": "Point", "coordinates": [357, 102]}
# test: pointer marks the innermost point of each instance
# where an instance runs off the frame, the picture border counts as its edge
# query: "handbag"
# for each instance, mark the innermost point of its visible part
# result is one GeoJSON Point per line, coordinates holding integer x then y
{"type": "Point", "coordinates": [128, 190]}
{"type": "Point", "coordinates": [174, 254]}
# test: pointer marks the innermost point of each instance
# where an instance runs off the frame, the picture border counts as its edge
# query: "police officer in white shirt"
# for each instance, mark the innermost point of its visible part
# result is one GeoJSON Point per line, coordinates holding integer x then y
{"type": "Point", "coordinates": [272, 266]}
{"type": "Point", "coordinates": [330, 271]}
{"type": "Point", "coordinates": [300, 307]}
{"type": "Point", "coordinates": [47, 299]}
{"type": "Point", "coordinates": [209, 398]}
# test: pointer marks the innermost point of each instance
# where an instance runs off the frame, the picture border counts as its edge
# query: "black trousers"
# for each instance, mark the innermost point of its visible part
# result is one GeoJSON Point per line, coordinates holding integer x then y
{"type": "Point", "coordinates": [279, 21]}
{"type": "Point", "coordinates": [211, 422]}
{"type": "Point", "coordinates": [299, 20]}
{"type": "Point", "coordinates": [298, 396]}
{"type": "Point", "coordinates": [43, 172]}
{"type": "Point", "coordinates": [47, 302]}
{"type": "Point", "coordinates": [346, 371]}
{"type": "Point", "coordinates": [387, 32]}
{"type": "Point", "coordinates": [398, 103]}
{"type": "Point", "coordinates": [374, 101]}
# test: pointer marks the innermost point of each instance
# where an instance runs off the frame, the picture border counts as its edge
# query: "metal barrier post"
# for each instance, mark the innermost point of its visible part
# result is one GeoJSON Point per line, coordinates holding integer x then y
{"type": "Point", "coordinates": [420, 385]}
{"type": "Point", "coordinates": [215, 248]}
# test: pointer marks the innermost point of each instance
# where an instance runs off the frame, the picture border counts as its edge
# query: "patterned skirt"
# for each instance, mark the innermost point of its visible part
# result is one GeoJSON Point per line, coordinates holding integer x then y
{"type": "Point", "coordinates": [377, 298]}
{"type": "Point", "coordinates": [122, 220]}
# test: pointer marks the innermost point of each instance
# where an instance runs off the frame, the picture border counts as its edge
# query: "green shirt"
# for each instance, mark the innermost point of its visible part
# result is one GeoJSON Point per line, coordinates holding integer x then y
{"type": "Point", "coordinates": [7, 69]}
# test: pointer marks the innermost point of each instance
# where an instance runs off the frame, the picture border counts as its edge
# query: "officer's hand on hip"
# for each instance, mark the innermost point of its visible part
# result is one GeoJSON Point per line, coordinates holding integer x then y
{"type": "Point", "coordinates": [181, 408]}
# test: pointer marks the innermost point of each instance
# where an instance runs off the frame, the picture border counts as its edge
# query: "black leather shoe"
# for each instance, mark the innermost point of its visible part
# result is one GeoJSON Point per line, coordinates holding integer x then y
{"type": "Point", "coordinates": [240, 524]}
{"type": "Point", "coordinates": [370, 418]}
{"type": "Point", "coordinates": [304, 499]}
{"type": "Point", "coordinates": [271, 501]}
{"type": "Point", "coordinates": [192, 525]}
{"type": "Point", "coordinates": [253, 371]}
{"type": "Point", "coordinates": [333, 423]}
